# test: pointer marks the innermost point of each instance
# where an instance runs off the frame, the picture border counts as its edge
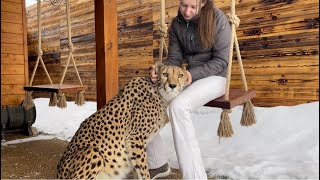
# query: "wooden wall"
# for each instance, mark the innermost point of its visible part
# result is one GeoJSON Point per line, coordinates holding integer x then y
{"type": "Point", "coordinates": [14, 57]}
{"type": "Point", "coordinates": [54, 44]}
{"type": "Point", "coordinates": [278, 41]}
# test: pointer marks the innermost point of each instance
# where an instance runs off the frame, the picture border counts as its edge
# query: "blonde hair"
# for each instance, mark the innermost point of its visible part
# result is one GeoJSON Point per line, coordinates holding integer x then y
{"type": "Point", "coordinates": [206, 26]}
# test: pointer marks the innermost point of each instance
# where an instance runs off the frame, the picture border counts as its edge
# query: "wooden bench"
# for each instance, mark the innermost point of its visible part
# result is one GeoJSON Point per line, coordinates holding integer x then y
{"type": "Point", "coordinates": [236, 97]}
{"type": "Point", "coordinates": [56, 88]}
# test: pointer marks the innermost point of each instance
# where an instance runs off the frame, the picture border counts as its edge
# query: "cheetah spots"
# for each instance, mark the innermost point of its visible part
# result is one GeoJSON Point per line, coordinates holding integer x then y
{"type": "Point", "coordinates": [99, 163]}
{"type": "Point", "coordinates": [93, 165]}
{"type": "Point", "coordinates": [88, 161]}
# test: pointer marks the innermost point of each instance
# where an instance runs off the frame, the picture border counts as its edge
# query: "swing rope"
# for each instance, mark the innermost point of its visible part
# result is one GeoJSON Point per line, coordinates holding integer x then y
{"type": "Point", "coordinates": [163, 30]}
{"type": "Point", "coordinates": [248, 116]}
{"type": "Point", "coordinates": [79, 97]}
{"type": "Point", "coordinates": [60, 99]}
{"type": "Point", "coordinates": [28, 101]}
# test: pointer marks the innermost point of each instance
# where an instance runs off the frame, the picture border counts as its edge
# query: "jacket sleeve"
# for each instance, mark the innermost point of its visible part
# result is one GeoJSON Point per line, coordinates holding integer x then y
{"type": "Point", "coordinates": [220, 52]}
{"type": "Point", "coordinates": [174, 49]}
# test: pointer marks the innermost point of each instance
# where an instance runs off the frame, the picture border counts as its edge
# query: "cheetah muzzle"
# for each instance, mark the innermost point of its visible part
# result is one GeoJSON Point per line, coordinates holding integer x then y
{"type": "Point", "coordinates": [112, 141]}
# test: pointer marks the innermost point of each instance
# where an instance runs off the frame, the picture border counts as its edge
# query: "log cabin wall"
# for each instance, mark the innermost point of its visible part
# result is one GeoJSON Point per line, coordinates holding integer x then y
{"type": "Point", "coordinates": [14, 57]}
{"type": "Point", "coordinates": [278, 41]}
{"type": "Point", "coordinates": [55, 40]}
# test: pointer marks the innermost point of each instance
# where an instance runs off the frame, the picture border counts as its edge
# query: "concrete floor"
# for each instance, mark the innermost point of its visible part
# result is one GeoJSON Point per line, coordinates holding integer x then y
{"type": "Point", "coordinates": [36, 159]}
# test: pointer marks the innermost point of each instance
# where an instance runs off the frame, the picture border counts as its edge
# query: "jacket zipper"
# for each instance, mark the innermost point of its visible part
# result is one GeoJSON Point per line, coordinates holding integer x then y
{"type": "Point", "coordinates": [191, 41]}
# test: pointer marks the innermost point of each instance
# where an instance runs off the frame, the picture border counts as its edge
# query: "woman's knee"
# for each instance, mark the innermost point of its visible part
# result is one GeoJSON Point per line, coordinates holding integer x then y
{"type": "Point", "coordinates": [178, 105]}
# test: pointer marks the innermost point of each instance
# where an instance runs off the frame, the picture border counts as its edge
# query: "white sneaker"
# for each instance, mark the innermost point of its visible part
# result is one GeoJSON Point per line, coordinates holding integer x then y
{"type": "Point", "coordinates": [160, 172]}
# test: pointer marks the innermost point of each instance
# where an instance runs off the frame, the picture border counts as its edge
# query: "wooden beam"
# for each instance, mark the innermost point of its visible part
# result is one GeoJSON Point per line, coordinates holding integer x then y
{"type": "Point", "coordinates": [106, 50]}
{"type": "Point", "coordinates": [25, 42]}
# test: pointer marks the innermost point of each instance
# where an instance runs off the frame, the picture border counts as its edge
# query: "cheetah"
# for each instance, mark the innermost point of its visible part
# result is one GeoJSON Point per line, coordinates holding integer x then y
{"type": "Point", "coordinates": [112, 142]}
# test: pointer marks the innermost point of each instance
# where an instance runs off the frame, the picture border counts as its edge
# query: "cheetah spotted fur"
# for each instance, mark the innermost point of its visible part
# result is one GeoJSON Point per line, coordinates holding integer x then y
{"type": "Point", "coordinates": [112, 141]}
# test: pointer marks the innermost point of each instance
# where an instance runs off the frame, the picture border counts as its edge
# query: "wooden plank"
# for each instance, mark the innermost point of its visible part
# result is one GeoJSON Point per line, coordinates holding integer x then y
{"type": "Point", "coordinates": [11, 38]}
{"type": "Point", "coordinates": [12, 69]}
{"type": "Point", "coordinates": [12, 59]}
{"type": "Point", "coordinates": [11, 99]}
{"type": "Point", "coordinates": [69, 96]}
{"type": "Point", "coordinates": [290, 94]}
{"type": "Point", "coordinates": [12, 89]}
{"type": "Point", "coordinates": [10, 7]}
{"type": "Point", "coordinates": [106, 50]}
{"type": "Point", "coordinates": [11, 28]}
{"type": "Point", "coordinates": [236, 97]}
{"type": "Point", "coordinates": [271, 102]}
{"type": "Point", "coordinates": [11, 17]}
{"type": "Point", "coordinates": [12, 79]}
{"type": "Point", "coordinates": [13, 1]}
{"type": "Point", "coordinates": [56, 88]}
{"type": "Point", "coordinates": [12, 48]}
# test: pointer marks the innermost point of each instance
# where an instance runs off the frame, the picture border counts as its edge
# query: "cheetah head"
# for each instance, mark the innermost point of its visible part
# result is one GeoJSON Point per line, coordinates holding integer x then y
{"type": "Point", "coordinates": [172, 80]}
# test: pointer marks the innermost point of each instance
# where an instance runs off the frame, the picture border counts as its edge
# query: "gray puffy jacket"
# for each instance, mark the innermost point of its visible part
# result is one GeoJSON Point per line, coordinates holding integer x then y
{"type": "Point", "coordinates": [185, 46]}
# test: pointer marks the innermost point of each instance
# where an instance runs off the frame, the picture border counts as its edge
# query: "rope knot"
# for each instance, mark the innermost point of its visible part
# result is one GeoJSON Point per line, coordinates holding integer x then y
{"type": "Point", "coordinates": [39, 51]}
{"type": "Point", "coordinates": [81, 92]}
{"type": "Point", "coordinates": [234, 19]}
{"type": "Point", "coordinates": [227, 110]}
{"type": "Point", "coordinates": [60, 95]}
{"type": "Point", "coordinates": [71, 47]}
{"type": "Point", "coordinates": [163, 30]}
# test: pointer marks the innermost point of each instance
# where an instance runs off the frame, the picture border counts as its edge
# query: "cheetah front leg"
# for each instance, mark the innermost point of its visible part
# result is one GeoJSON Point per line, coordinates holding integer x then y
{"type": "Point", "coordinates": [138, 157]}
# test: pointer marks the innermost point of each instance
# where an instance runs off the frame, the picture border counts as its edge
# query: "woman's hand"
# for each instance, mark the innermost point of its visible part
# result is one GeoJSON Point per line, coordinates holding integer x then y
{"type": "Point", "coordinates": [189, 78]}
{"type": "Point", "coordinates": [153, 75]}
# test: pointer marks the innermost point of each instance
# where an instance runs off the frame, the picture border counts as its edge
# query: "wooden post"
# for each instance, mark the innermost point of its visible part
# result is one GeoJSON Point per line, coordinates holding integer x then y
{"type": "Point", "coordinates": [106, 50]}
{"type": "Point", "coordinates": [25, 43]}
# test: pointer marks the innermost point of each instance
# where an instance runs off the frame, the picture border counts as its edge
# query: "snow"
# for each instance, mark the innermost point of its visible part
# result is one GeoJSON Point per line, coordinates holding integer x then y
{"type": "Point", "coordinates": [284, 144]}
{"type": "Point", "coordinates": [30, 2]}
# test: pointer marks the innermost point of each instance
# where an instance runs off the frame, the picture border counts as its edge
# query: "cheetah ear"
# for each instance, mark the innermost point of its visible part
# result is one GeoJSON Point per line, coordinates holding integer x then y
{"type": "Point", "coordinates": [184, 66]}
{"type": "Point", "coordinates": [158, 66]}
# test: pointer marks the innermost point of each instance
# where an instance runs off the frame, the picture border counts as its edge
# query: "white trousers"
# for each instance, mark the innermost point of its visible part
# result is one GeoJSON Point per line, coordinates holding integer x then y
{"type": "Point", "coordinates": [179, 111]}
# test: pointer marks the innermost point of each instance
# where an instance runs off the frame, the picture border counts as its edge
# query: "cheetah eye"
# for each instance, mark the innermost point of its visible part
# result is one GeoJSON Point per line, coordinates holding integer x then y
{"type": "Point", "coordinates": [180, 75]}
{"type": "Point", "coordinates": [165, 74]}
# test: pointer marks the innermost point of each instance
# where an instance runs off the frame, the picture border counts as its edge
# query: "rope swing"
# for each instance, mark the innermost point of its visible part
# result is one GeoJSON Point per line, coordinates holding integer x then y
{"type": "Point", "coordinates": [248, 116]}
{"type": "Point", "coordinates": [60, 99]}
{"type": "Point", "coordinates": [232, 97]}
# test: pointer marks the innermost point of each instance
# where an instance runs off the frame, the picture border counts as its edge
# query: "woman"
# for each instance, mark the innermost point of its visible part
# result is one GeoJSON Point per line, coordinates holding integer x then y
{"type": "Point", "coordinates": [200, 36]}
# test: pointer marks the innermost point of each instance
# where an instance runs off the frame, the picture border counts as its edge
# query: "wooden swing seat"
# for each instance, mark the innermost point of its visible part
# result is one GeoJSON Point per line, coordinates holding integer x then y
{"type": "Point", "coordinates": [56, 88]}
{"type": "Point", "coordinates": [236, 97]}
